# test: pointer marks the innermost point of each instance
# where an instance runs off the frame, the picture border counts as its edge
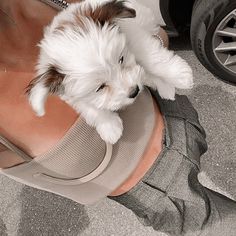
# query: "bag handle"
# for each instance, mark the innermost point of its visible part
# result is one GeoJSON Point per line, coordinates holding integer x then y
{"type": "Point", "coordinates": [5, 144]}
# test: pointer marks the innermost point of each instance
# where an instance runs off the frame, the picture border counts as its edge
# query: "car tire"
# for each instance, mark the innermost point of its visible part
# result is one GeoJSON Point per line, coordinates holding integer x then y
{"type": "Point", "coordinates": [207, 17]}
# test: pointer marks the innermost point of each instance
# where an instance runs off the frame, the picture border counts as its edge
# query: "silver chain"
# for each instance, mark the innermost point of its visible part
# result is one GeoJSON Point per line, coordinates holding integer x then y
{"type": "Point", "coordinates": [57, 4]}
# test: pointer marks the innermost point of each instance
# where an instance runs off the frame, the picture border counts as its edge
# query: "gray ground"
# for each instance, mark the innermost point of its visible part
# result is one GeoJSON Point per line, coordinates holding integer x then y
{"type": "Point", "coordinates": [26, 211]}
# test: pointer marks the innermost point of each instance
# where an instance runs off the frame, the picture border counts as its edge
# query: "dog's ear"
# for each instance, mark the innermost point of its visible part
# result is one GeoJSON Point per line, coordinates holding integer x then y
{"type": "Point", "coordinates": [112, 10]}
{"type": "Point", "coordinates": [49, 82]}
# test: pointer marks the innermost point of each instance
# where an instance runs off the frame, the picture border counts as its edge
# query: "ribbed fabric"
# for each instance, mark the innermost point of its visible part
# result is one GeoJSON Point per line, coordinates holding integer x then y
{"type": "Point", "coordinates": [79, 152]}
{"type": "Point", "coordinates": [82, 150]}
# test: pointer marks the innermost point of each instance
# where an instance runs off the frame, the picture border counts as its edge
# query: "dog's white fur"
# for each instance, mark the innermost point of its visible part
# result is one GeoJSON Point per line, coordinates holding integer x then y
{"type": "Point", "coordinates": [91, 56]}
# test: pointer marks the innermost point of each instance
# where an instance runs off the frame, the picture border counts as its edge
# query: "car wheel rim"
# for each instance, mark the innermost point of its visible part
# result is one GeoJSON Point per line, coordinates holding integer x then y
{"type": "Point", "coordinates": [224, 42]}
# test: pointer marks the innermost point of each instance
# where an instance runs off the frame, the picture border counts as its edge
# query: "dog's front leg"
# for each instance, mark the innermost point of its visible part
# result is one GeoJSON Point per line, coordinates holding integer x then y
{"type": "Point", "coordinates": [107, 123]}
{"type": "Point", "coordinates": [155, 59]}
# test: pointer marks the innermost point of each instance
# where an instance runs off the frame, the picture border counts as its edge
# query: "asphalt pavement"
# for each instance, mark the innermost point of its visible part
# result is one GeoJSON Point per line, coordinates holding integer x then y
{"type": "Point", "coordinates": [29, 212]}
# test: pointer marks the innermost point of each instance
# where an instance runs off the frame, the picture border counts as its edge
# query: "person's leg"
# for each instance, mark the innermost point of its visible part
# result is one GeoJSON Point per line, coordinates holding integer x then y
{"type": "Point", "coordinates": [170, 198]}
{"type": "Point", "coordinates": [186, 208]}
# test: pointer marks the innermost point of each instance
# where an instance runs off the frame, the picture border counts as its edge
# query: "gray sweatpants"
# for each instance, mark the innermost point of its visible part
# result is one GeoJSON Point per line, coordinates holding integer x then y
{"type": "Point", "coordinates": [170, 198]}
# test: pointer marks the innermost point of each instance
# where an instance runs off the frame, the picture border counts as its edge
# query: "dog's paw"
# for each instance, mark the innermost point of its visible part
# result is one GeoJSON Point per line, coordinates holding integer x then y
{"type": "Point", "coordinates": [181, 74]}
{"type": "Point", "coordinates": [165, 90]}
{"type": "Point", "coordinates": [110, 130]}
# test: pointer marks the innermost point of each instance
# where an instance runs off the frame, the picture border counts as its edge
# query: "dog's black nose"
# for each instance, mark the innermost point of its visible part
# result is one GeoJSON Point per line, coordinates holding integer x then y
{"type": "Point", "coordinates": [134, 92]}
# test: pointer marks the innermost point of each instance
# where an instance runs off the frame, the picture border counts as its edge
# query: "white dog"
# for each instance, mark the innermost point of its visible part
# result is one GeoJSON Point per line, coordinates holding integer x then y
{"type": "Point", "coordinates": [97, 55]}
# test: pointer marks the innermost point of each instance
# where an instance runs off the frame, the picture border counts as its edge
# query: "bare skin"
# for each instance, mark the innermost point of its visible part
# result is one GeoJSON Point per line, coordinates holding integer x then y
{"type": "Point", "coordinates": [18, 123]}
{"type": "Point", "coordinates": [18, 56]}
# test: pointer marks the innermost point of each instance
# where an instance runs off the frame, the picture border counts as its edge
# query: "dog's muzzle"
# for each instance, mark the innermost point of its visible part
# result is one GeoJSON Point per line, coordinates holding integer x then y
{"type": "Point", "coordinates": [134, 92]}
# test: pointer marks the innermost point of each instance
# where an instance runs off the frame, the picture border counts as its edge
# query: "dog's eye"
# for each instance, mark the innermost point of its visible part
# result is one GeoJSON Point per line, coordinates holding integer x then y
{"type": "Point", "coordinates": [121, 60]}
{"type": "Point", "coordinates": [102, 86]}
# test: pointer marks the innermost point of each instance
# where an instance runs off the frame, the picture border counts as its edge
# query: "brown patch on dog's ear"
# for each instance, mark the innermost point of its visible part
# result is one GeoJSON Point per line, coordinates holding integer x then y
{"type": "Point", "coordinates": [108, 12]}
{"type": "Point", "coordinates": [112, 10]}
{"type": "Point", "coordinates": [40, 87]}
{"type": "Point", "coordinates": [54, 80]}
{"type": "Point", "coordinates": [51, 79]}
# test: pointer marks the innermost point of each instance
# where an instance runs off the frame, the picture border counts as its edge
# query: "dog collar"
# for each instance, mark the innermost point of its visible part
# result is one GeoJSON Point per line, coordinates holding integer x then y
{"type": "Point", "coordinates": [160, 39]}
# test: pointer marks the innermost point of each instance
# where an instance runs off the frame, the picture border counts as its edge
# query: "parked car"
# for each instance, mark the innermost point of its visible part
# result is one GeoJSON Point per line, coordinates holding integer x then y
{"type": "Point", "coordinates": [212, 27]}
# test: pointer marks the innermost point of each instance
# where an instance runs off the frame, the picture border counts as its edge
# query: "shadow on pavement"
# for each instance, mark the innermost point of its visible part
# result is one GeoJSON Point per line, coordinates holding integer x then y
{"type": "Point", "coordinates": [181, 43]}
{"type": "Point", "coordinates": [3, 229]}
{"type": "Point", "coordinates": [44, 213]}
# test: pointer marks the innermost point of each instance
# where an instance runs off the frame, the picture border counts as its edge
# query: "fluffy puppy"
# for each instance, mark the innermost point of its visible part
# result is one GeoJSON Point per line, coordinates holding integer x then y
{"type": "Point", "coordinates": [97, 55]}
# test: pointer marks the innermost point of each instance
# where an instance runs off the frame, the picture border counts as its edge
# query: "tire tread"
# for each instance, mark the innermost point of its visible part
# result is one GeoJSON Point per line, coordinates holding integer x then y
{"type": "Point", "coordinates": [204, 13]}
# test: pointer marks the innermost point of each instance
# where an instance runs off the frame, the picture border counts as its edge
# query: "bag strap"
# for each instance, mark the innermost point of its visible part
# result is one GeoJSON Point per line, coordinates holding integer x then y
{"type": "Point", "coordinates": [5, 144]}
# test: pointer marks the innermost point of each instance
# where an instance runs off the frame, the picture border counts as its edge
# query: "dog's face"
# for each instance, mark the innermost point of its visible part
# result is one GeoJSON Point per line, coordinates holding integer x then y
{"type": "Point", "coordinates": [85, 58]}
